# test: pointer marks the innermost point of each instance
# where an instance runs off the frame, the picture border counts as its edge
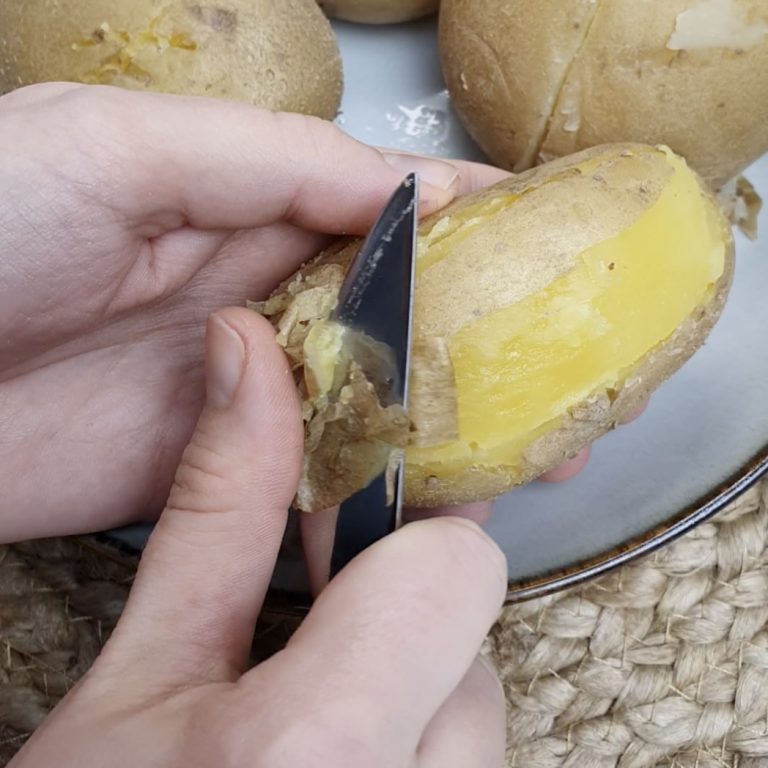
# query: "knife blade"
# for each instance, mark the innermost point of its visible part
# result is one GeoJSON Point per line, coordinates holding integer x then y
{"type": "Point", "coordinates": [376, 306]}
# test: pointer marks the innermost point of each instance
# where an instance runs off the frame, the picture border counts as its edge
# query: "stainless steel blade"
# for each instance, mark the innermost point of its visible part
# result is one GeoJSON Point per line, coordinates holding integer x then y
{"type": "Point", "coordinates": [376, 302]}
{"type": "Point", "coordinates": [376, 298]}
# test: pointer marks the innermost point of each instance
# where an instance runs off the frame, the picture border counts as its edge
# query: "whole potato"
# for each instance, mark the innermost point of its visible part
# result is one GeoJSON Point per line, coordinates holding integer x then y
{"type": "Point", "coordinates": [547, 307]}
{"type": "Point", "coordinates": [379, 11]}
{"type": "Point", "coordinates": [534, 81]}
{"type": "Point", "coordinates": [277, 54]}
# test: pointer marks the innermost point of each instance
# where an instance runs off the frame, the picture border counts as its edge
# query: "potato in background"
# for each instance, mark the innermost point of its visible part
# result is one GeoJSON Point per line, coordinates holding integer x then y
{"type": "Point", "coordinates": [277, 54]}
{"type": "Point", "coordinates": [379, 11]}
{"type": "Point", "coordinates": [533, 81]}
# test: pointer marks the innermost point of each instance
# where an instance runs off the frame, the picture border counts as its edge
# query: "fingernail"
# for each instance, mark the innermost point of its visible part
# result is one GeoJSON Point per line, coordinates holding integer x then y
{"type": "Point", "coordinates": [224, 364]}
{"type": "Point", "coordinates": [437, 173]}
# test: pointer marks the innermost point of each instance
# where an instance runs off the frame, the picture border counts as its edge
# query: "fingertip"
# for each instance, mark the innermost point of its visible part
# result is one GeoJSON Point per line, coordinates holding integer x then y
{"type": "Point", "coordinates": [477, 176]}
{"type": "Point", "coordinates": [635, 413]}
{"type": "Point", "coordinates": [251, 326]}
{"type": "Point", "coordinates": [265, 400]}
{"type": "Point", "coordinates": [262, 351]}
{"type": "Point", "coordinates": [568, 469]}
{"type": "Point", "coordinates": [470, 177]}
{"type": "Point", "coordinates": [470, 543]}
{"type": "Point", "coordinates": [432, 199]}
{"type": "Point", "coordinates": [438, 179]}
{"type": "Point", "coordinates": [224, 363]}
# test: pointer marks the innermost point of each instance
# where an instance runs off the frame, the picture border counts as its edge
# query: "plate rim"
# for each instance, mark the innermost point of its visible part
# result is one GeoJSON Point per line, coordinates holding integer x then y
{"type": "Point", "coordinates": [286, 603]}
{"type": "Point", "coordinates": [685, 520]}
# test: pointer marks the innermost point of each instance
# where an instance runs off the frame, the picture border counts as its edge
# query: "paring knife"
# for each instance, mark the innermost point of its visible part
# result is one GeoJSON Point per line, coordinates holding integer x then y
{"type": "Point", "coordinates": [376, 301]}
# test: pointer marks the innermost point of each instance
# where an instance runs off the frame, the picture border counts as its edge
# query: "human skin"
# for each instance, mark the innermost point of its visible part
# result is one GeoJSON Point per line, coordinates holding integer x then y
{"type": "Point", "coordinates": [384, 672]}
{"type": "Point", "coordinates": [125, 220]}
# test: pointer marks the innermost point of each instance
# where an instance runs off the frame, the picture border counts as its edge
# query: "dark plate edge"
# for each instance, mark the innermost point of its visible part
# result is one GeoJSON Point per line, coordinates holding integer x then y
{"type": "Point", "coordinates": [290, 604]}
{"type": "Point", "coordinates": [688, 518]}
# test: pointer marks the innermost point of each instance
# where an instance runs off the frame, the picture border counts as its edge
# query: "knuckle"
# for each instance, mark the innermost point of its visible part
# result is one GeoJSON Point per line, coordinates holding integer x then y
{"type": "Point", "coordinates": [203, 479]}
{"type": "Point", "coordinates": [319, 139]}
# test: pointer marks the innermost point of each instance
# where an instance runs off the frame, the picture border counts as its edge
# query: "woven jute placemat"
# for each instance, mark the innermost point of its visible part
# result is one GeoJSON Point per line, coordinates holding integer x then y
{"type": "Point", "coordinates": [663, 663]}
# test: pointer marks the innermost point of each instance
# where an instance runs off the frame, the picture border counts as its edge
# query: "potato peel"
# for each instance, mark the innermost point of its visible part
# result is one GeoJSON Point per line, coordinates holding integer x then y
{"type": "Point", "coordinates": [349, 442]}
{"type": "Point", "coordinates": [742, 205]}
{"type": "Point", "coordinates": [350, 436]}
{"type": "Point", "coordinates": [546, 309]}
{"type": "Point", "coordinates": [433, 408]}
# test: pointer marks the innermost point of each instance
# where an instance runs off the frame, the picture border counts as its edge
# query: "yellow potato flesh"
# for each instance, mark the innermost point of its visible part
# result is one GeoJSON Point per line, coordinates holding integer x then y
{"type": "Point", "coordinates": [519, 369]}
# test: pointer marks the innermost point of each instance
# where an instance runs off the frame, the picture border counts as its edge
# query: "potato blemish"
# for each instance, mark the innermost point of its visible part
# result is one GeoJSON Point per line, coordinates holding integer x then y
{"type": "Point", "coordinates": [218, 19]}
{"type": "Point", "coordinates": [126, 48]}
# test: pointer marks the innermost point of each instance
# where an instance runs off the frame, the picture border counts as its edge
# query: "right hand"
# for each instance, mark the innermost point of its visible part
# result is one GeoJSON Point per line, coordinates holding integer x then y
{"type": "Point", "coordinates": [383, 673]}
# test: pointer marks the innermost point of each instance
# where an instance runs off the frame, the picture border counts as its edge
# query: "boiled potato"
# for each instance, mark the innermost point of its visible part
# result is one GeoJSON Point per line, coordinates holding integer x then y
{"type": "Point", "coordinates": [277, 54]}
{"type": "Point", "coordinates": [379, 11]}
{"type": "Point", "coordinates": [534, 81]}
{"type": "Point", "coordinates": [547, 308]}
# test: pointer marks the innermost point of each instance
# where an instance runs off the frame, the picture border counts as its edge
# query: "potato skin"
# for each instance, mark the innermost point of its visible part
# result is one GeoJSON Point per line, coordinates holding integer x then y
{"type": "Point", "coordinates": [540, 80]}
{"type": "Point", "coordinates": [560, 210]}
{"type": "Point", "coordinates": [277, 54]}
{"type": "Point", "coordinates": [379, 11]}
{"type": "Point", "coordinates": [600, 412]}
{"type": "Point", "coordinates": [596, 416]}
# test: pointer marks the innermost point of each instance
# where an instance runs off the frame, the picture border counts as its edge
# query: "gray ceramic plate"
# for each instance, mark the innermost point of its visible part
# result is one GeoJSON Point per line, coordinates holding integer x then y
{"type": "Point", "coordinates": [705, 436]}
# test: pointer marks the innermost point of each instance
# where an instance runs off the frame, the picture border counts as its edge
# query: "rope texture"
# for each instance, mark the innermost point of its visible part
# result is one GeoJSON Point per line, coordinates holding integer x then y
{"type": "Point", "coordinates": [662, 664]}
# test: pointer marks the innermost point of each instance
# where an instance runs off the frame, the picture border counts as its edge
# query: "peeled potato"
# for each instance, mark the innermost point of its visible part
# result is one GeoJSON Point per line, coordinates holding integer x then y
{"type": "Point", "coordinates": [379, 11]}
{"type": "Point", "coordinates": [534, 81]}
{"type": "Point", "coordinates": [547, 308]}
{"type": "Point", "coordinates": [277, 54]}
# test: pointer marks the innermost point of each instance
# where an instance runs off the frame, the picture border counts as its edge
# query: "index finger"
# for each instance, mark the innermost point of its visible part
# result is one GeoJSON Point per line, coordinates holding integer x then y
{"type": "Point", "coordinates": [473, 176]}
{"type": "Point", "coordinates": [164, 161]}
{"type": "Point", "coordinates": [399, 627]}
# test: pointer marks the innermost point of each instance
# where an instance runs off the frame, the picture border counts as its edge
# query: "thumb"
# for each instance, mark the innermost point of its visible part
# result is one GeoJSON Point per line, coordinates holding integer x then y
{"type": "Point", "coordinates": [207, 565]}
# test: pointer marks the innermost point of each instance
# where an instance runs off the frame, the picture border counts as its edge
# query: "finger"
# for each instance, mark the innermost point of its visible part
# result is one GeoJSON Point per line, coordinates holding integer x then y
{"type": "Point", "coordinates": [229, 165]}
{"type": "Point", "coordinates": [398, 628]}
{"type": "Point", "coordinates": [318, 534]}
{"type": "Point", "coordinates": [469, 730]}
{"type": "Point", "coordinates": [479, 512]}
{"type": "Point", "coordinates": [476, 176]}
{"type": "Point", "coordinates": [35, 94]}
{"type": "Point", "coordinates": [472, 176]}
{"type": "Point", "coordinates": [207, 565]}
{"type": "Point", "coordinates": [568, 469]}
{"type": "Point", "coordinates": [636, 413]}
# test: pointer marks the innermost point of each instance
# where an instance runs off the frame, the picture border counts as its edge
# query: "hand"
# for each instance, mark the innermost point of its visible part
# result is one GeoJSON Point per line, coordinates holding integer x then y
{"type": "Point", "coordinates": [125, 219]}
{"type": "Point", "coordinates": [384, 671]}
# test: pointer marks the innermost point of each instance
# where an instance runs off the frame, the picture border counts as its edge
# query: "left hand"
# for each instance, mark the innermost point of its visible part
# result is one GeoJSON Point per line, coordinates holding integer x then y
{"type": "Point", "coordinates": [125, 219]}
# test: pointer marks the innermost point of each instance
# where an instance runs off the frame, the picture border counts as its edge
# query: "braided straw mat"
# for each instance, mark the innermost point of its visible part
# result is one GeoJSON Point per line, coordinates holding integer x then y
{"type": "Point", "coordinates": [663, 663]}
